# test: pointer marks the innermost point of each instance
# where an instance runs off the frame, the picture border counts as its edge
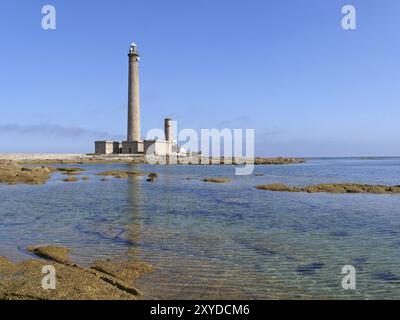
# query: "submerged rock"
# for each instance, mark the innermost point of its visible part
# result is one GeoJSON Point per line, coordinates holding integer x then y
{"type": "Point", "coordinates": [278, 187]}
{"type": "Point", "coordinates": [119, 174]}
{"type": "Point", "coordinates": [123, 274]}
{"type": "Point", "coordinates": [217, 180]}
{"type": "Point", "coordinates": [72, 173]}
{"type": "Point", "coordinates": [71, 179]}
{"type": "Point", "coordinates": [309, 269]}
{"type": "Point", "coordinates": [334, 188]}
{"type": "Point", "coordinates": [387, 277]}
{"type": "Point", "coordinates": [70, 170]}
{"type": "Point", "coordinates": [105, 280]}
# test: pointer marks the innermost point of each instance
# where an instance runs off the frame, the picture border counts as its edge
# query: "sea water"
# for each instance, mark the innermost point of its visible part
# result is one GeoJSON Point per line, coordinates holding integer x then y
{"type": "Point", "coordinates": [221, 241]}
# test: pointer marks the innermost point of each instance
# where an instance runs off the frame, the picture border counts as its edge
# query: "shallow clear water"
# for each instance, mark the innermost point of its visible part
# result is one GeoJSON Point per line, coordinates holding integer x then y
{"type": "Point", "coordinates": [221, 240]}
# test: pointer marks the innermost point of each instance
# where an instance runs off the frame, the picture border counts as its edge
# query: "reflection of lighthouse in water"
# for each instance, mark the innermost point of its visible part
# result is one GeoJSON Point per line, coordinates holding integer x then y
{"type": "Point", "coordinates": [134, 226]}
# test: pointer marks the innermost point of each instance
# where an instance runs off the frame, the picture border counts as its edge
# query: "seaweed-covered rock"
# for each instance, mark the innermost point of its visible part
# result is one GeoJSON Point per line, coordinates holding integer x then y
{"type": "Point", "coordinates": [394, 189]}
{"type": "Point", "coordinates": [70, 170]}
{"type": "Point", "coordinates": [217, 180]}
{"type": "Point", "coordinates": [278, 160]}
{"type": "Point", "coordinates": [105, 280]}
{"type": "Point", "coordinates": [71, 179]}
{"type": "Point", "coordinates": [330, 188]}
{"type": "Point", "coordinates": [120, 174]}
{"type": "Point", "coordinates": [278, 187]}
{"type": "Point", "coordinates": [71, 173]}
{"type": "Point", "coordinates": [54, 253]}
{"type": "Point", "coordinates": [334, 188]}
{"type": "Point", "coordinates": [13, 173]}
{"type": "Point", "coordinates": [124, 270]}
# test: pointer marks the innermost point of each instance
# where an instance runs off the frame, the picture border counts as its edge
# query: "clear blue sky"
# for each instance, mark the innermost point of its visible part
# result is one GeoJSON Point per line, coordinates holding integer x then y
{"type": "Point", "coordinates": [285, 68]}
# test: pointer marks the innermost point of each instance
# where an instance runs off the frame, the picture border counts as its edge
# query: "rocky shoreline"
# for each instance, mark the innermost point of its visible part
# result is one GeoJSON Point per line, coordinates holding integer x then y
{"type": "Point", "coordinates": [137, 159]}
{"type": "Point", "coordinates": [333, 188]}
{"type": "Point", "coordinates": [103, 280]}
{"type": "Point", "coordinates": [13, 173]}
{"type": "Point", "coordinates": [30, 169]}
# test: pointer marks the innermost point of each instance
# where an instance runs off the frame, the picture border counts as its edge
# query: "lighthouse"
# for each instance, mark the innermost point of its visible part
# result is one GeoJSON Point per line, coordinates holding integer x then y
{"type": "Point", "coordinates": [133, 95]}
{"type": "Point", "coordinates": [134, 143]}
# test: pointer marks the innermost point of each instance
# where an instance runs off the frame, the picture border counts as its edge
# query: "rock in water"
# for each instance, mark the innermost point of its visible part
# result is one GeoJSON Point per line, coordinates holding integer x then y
{"type": "Point", "coordinates": [152, 177]}
{"type": "Point", "coordinates": [278, 187]}
{"type": "Point", "coordinates": [70, 170]}
{"type": "Point", "coordinates": [334, 188]}
{"type": "Point", "coordinates": [53, 253]}
{"type": "Point", "coordinates": [217, 180]}
{"type": "Point", "coordinates": [105, 280]}
{"type": "Point", "coordinates": [71, 179]}
{"type": "Point", "coordinates": [120, 174]}
{"type": "Point", "coordinates": [13, 173]}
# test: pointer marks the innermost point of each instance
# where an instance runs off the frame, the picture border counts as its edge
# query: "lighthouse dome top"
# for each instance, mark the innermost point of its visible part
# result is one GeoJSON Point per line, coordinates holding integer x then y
{"type": "Point", "coordinates": [133, 48]}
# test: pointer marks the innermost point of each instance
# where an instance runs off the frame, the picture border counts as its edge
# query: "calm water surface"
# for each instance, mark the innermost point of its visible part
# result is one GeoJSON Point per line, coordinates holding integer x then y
{"type": "Point", "coordinates": [221, 240]}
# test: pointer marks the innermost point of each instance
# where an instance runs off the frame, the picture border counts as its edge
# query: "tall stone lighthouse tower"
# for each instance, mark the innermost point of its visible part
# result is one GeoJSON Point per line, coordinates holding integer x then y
{"type": "Point", "coordinates": [134, 143]}
{"type": "Point", "coordinates": [133, 96]}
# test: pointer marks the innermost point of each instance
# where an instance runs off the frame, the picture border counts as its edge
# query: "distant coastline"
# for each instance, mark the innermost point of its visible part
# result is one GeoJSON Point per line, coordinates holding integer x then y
{"type": "Point", "coordinates": [72, 158]}
{"type": "Point", "coordinates": [353, 157]}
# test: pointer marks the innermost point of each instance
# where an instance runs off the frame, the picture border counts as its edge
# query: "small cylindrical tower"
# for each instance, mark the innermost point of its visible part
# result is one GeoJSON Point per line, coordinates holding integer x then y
{"type": "Point", "coordinates": [169, 130]}
{"type": "Point", "coordinates": [133, 95]}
